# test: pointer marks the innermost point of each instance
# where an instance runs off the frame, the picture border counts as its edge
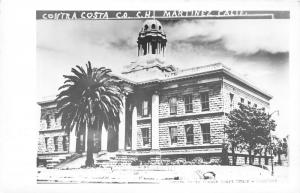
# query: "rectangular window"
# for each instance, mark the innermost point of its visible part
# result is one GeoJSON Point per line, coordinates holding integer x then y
{"type": "Point", "coordinates": [64, 143]}
{"type": "Point", "coordinates": [173, 135]}
{"type": "Point", "coordinates": [231, 100]}
{"type": "Point", "coordinates": [188, 103]}
{"type": "Point", "coordinates": [55, 139]}
{"type": "Point", "coordinates": [242, 100]}
{"type": "Point", "coordinates": [145, 135]}
{"type": "Point", "coordinates": [189, 131]}
{"type": "Point", "coordinates": [56, 116]}
{"type": "Point", "coordinates": [249, 103]}
{"type": "Point", "coordinates": [255, 105]}
{"type": "Point", "coordinates": [145, 108]}
{"type": "Point", "coordinates": [48, 121]}
{"type": "Point", "coordinates": [173, 105]}
{"type": "Point", "coordinates": [46, 142]}
{"type": "Point", "coordinates": [204, 101]}
{"type": "Point", "coordinates": [205, 128]}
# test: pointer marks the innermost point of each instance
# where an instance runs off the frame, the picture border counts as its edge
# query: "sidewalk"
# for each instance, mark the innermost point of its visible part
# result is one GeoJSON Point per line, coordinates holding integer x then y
{"type": "Point", "coordinates": [159, 174]}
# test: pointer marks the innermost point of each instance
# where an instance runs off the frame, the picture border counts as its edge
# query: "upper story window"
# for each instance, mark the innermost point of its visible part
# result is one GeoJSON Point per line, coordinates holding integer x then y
{"type": "Point", "coordinates": [204, 101]}
{"type": "Point", "coordinates": [249, 103]}
{"type": "Point", "coordinates": [205, 128]}
{"type": "Point", "coordinates": [48, 121]}
{"type": "Point", "coordinates": [189, 132]}
{"type": "Point", "coordinates": [145, 108]}
{"type": "Point", "coordinates": [56, 116]}
{"type": "Point", "coordinates": [55, 139]}
{"type": "Point", "coordinates": [188, 103]}
{"type": "Point", "coordinates": [255, 105]}
{"type": "Point", "coordinates": [173, 105]}
{"type": "Point", "coordinates": [231, 100]}
{"type": "Point", "coordinates": [173, 134]}
{"type": "Point", "coordinates": [242, 100]}
{"type": "Point", "coordinates": [145, 135]}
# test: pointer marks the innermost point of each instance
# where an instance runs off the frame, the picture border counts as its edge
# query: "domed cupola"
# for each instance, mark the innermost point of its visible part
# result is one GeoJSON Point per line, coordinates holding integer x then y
{"type": "Point", "coordinates": [152, 38]}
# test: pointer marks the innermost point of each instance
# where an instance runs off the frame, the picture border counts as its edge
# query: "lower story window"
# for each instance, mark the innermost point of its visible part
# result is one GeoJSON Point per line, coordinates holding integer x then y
{"type": "Point", "coordinates": [46, 143]}
{"type": "Point", "coordinates": [189, 131]}
{"type": "Point", "coordinates": [55, 139]}
{"type": "Point", "coordinates": [64, 143]}
{"type": "Point", "coordinates": [205, 128]}
{"type": "Point", "coordinates": [145, 135]}
{"type": "Point", "coordinates": [173, 135]}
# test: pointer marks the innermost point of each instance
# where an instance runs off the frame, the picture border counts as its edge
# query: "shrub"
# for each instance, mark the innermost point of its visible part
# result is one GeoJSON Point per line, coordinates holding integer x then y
{"type": "Point", "coordinates": [135, 163]}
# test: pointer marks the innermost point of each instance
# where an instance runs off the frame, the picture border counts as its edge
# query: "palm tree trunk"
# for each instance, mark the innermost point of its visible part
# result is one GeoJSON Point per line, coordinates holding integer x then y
{"type": "Point", "coordinates": [250, 157]}
{"type": "Point", "coordinates": [233, 156]}
{"type": "Point", "coordinates": [89, 154]}
{"type": "Point", "coordinates": [266, 159]}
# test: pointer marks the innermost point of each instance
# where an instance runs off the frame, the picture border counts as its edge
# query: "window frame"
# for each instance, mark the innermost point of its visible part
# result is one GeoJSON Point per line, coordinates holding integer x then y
{"type": "Point", "coordinates": [55, 142]}
{"type": "Point", "coordinates": [204, 132]}
{"type": "Point", "coordinates": [46, 140]}
{"type": "Point", "coordinates": [231, 97]}
{"type": "Point", "coordinates": [65, 143]}
{"type": "Point", "coordinates": [189, 135]}
{"type": "Point", "coordinates": [242, 100]}
{"type": "Point", "coordinates": [48, 121]}
{"type": "Point", "coordinates": [173, 105]}
{"type": "Point", "coordinates": [175, 135]}
{"type": "Point", "coordinates": [145, 139]}
{"type": "Point", "coordinates": [143, 108]}
{"type": "Point", "coordinates": [204, 99]}
{"type": "Point", "coordinates": [188, 103]}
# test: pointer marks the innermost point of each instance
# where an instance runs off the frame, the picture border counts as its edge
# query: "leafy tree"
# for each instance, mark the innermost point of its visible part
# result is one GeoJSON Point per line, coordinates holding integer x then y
{"type": "Point", "coordinates": [249, 128]}
{"type": "Point", "coordinates": [89, 99]}
{"type": "Point", "coordinates": [280, 148]}
{"type": "Point", "coordinates": [233, 131]}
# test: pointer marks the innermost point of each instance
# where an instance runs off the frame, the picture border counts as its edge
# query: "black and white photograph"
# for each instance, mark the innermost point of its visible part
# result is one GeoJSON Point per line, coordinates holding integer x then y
{"type": "Point", "coordinates": [149, 96]}
{"type": "Point", "coordinates": [162, 96]}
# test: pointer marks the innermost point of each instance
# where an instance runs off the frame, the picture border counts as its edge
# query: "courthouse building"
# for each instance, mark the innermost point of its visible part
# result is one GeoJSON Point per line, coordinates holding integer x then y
{"type": "Point", "coordinates": [168, 113]}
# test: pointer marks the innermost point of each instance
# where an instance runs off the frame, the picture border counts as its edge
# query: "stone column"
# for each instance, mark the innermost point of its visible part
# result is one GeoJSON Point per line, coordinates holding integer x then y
{"type": "Point", "coordinates": [150, 47]}
{"type": "Point", "coordinates": [155, 121]}
{"type": "Point", "coordinates": [134, 128]}
{"type": "Point", "coordinates": [104, 134]}
{"type": "Point", "coordinates": [72, 141]}
{"type": "Point", "coordinates": [122, 126]}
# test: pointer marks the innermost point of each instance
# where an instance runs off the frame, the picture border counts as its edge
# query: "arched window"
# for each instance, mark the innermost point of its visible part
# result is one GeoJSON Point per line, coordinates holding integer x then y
{"type": "Point", "coordinates": [153, 26]}
{"type": "Point", "coordinates": [146, 27]}
{"type": "Point", "coordinates": [159, 27]}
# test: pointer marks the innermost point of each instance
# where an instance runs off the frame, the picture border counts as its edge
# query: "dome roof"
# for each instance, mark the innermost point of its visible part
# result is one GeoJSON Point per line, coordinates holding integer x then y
{"type": "Point", "coordinates": [152, 25]}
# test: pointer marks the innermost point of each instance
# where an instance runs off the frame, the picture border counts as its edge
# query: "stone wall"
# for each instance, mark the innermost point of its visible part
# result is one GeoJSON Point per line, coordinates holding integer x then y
{"type": "Point", "coordinates": [238, 93]}
{"type": "Point", "coordinates": [213, 116]}
{"type": "Point", "coordinates": [49, 129]}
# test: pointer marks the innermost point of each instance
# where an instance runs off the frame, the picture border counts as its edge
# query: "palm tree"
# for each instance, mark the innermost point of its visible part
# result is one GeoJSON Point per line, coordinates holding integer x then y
{"type": "Point", "coordinates": [89, 99]}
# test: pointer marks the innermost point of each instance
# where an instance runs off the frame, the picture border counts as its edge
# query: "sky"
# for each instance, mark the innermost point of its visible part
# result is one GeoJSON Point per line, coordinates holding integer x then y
{"type": "Point", "coordinates": [256, 49]}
